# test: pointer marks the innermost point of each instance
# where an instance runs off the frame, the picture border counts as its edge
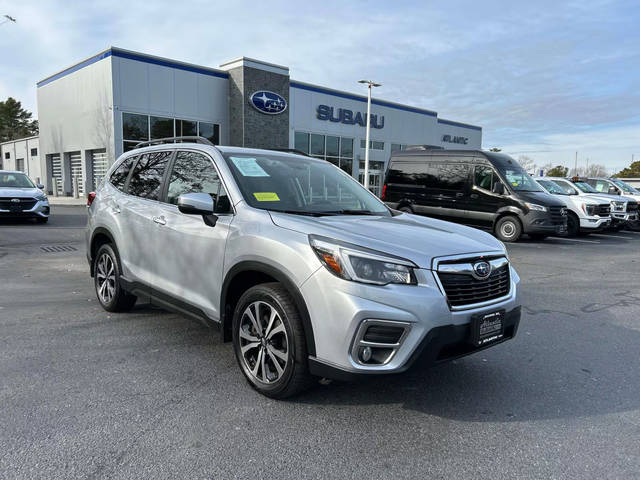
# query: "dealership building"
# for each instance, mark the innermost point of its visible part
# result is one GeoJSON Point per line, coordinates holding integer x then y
{"type": "Point", "coordinates": [95, 110]}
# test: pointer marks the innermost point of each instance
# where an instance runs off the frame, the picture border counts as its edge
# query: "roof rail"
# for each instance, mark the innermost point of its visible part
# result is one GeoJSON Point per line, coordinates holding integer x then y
{"type": "Point", "coordinates": [423, 147]}
{"type": "Point", "coordinates": [194, 139]}
{"type": "Point", "coordinates": [290, 150]}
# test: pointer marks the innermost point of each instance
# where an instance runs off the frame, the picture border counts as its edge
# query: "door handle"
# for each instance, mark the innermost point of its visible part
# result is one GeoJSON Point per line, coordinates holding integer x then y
{"type": "Point", "coordinates": [116, 209]}
{"type": "Point", "coordinates": [459, 194]}
{"type": "Point", "coordinates": [160, 220]}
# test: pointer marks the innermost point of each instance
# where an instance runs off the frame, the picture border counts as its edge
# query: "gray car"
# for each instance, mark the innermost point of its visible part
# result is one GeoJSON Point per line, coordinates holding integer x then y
{"type": "Point", "coordinates": [305, 271]}
{"type": "Point", "coordinates": [21, 198]}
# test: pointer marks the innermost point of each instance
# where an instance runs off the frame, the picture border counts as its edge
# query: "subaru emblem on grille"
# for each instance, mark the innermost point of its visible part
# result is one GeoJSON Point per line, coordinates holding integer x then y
{"type": "Point", "coordinates": [15, 200]}
{"type": "Point", "coordinates": [482, 269]}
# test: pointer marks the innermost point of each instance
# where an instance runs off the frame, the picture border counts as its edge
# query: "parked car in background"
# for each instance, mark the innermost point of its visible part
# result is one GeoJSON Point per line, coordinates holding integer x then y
{"type": "Point", "coordinates": [613, 186]}
{"type": "Point", "coordinates": [623, 210]}
{"type": "Point", "coordinates": [584, 214]}
{"type": "Point", "coordinates": [21, 198]}
{"type": "Point", "coordinates": [308, 273]}
{"type": "Point", "coordinates": [483, 189]}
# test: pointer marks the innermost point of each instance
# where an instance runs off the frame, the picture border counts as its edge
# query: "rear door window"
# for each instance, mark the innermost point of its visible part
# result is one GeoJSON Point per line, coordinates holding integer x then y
{"type": "Point", "coordinates": [451, 176]}
{"type": "Point", "coordinates": [119, 176]}
{"type": "Point", "coordinates": [146, 179]}
{"type": "Point", "coordinates": [408, 174]}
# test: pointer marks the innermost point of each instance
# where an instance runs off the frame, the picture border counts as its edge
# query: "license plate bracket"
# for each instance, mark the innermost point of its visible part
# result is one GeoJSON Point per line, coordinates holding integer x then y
{"type": "Point", "coordinates": [487, 328]}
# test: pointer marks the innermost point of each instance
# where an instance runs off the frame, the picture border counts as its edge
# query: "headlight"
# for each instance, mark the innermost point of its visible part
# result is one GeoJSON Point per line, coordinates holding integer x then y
{"type": "Point", "coordinates": [619, 206]}
{"type": "Point", "coordinates": [41, 197]}
{"type": "Point", "coordinates": [588, 209]}
{"type": "Point", "coordinates": [350, 262]}
{"type": "Point", "coordinates": [536, 207]}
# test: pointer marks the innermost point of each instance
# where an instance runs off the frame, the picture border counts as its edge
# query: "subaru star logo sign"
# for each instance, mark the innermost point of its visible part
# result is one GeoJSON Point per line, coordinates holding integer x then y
{"type": "Point", "coordinates": [482, 269]}
{"type": "Point", "coordinates": [268, 102]}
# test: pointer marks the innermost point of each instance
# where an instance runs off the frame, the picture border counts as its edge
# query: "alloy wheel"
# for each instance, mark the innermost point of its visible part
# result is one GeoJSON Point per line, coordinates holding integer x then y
{"type": "Point", "coordinates": [264, 344]}
{"type": "Point", "coordinates": [106, 276]}
{"type": "Point", "coordinates": [508, 229]}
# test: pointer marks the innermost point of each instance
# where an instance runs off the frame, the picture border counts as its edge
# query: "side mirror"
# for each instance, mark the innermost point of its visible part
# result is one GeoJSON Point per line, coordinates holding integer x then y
{"type": "Point", "coordinates": [498, 188]}
{"type": "Point", "coordinates": [613, 190]}
{"type": "Point", "coordinates": [196, 204]}
{"type": "Point", "coordinates": [40, 186]}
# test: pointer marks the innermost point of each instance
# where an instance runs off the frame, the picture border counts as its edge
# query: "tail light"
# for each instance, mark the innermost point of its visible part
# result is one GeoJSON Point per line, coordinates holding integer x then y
{"type": "Point", "coordinates": [384, 192]}
{"type": "Point", "coordinates": [90, 198]}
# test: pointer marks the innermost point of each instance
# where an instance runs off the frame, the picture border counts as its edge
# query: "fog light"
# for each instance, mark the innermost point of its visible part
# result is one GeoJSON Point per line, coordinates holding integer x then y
{"type": "Point", "coordinates": [365, 355]}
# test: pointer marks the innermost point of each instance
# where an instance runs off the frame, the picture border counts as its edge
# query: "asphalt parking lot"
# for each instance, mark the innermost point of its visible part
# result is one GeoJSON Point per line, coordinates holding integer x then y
{"type": "Point", "coordinates": [152, 394]}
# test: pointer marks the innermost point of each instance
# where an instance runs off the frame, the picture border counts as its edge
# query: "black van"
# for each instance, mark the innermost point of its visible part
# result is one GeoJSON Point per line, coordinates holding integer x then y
{"type": "Point", "coordinates": [483, 189]}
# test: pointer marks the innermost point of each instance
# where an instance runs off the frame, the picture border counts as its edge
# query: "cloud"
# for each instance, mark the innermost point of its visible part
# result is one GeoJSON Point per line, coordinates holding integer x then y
{"type": "Point", "coordinates": [524, 71]}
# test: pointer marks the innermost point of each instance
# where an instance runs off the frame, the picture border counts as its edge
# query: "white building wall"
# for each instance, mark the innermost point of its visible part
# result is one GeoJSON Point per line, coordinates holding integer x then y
{"type": "Point", "coordinates": [75, 114]}
{"type": "Point", "coordinates": [164, 91]}
{"type": "Point", "coordinates": [450, 134]}
{"type": "Point", "coordinates": [11, 151]}
{"type": "Point", "coordinates": [402, 125]}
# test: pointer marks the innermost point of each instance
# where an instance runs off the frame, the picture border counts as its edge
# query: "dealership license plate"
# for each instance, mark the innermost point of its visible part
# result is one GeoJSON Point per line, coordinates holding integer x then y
{"type": "Point", "coordinates": [487, 327]}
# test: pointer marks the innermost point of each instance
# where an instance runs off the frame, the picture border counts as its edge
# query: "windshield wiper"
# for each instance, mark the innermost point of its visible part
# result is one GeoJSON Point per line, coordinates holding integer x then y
{"type": "Point", "coordinates": [353, 212]}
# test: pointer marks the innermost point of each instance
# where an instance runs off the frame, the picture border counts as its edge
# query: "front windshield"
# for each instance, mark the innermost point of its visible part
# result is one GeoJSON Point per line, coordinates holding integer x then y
{"type": "Point", "coordinates": [519, 180]}
{"type": "Point", "coordinates": [565, 186]}
{"type": "Point", "coordinates": [625, 186]}
{"type": "Point", "coordinates": [585, 187]}
{"type": "Point", "coordinates": [15, 180]}
{"type": "Point", "coordinates": [296, 184]}
{"type": "Point", "coordinates": [553, 187]}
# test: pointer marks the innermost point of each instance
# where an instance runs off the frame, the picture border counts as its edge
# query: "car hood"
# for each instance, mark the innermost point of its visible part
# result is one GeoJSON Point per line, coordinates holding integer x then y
{"type": "Point", "coordinates": [608, 198]}
{"type": "Point", "coordinates": [19, 192]}
{"type": "Point", "coordinates": [541, 198]}
{"type": "Point", "coordinates": [419, 239]}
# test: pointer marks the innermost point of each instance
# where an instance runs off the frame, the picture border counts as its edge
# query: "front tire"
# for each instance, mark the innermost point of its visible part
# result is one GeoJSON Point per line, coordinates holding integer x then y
{"type": "Point", "coordinates": [269, 341]}
{"type": "Point", "coordinates": [109, 291]}
{"type": "Point", "coordinates": [508, 229]}
{"type": "Point", "coordinates": [573, 225]}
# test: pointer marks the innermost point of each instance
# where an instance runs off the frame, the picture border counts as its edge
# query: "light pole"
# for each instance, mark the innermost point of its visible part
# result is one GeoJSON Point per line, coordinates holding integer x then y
{"type": "Point", "coordinates": [370, 84]}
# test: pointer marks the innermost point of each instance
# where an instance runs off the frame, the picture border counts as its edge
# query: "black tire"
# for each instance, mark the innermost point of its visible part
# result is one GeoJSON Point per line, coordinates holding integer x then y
{"type": "Point", "coordinates": [294, 376]}
{"type": "Point", "coordinates": [118, 299]}
{"type": "Point", "coordinates": [42, 219]}
{"type": "Point", "coordinates": [573, 225]}
{"type": "Point", "coordinates": [508, 229]}
{"type": "Point", "coordinates": [538, 236]}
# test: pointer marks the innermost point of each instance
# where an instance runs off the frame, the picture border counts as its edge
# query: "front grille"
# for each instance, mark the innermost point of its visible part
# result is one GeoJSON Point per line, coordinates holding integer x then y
{"type": "Point", "coordinates": [463, 289]}
{"type": "Point", "coordinates": [24, 204]}
{"type": "Point", "coordinates": [632, 207]}
{"type": "Point", "coordinates": [603, 210]}
{"type": "Point", "coordinates": [557, 215]}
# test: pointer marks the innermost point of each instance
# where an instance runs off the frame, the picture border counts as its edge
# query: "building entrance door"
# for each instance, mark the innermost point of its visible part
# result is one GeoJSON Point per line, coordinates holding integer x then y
{"type": "Point", "coordinates": [375, 181]}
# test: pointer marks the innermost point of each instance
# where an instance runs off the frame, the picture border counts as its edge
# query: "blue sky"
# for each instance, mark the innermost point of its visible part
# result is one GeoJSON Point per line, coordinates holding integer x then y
{"type": "Point", "coordinates": [543, 78]}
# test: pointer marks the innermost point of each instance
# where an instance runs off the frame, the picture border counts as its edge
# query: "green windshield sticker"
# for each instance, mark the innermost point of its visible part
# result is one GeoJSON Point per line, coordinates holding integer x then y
{"type": "Point", "coordinates": [266, 196]}
{"type": "Point", "coordinates": [248, 167]}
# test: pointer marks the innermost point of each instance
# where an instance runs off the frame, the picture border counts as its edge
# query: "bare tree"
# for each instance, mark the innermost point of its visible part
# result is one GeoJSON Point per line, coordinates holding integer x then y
{"type": "Point", "coordinates": [595, 170]}
{"type": "Point", "coordinates": [527, 163]}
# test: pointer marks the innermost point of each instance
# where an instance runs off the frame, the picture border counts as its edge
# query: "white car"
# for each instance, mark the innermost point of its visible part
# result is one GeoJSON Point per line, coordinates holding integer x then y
{"type": "Point", "coordinates": [623, 209]}
{"type": "Point", "coordinates": [585, 214]}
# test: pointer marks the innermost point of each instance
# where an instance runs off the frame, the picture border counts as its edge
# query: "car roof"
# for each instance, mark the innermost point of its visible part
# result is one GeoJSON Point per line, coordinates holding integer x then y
{"type": "Point", "coordinates": [12, 171]}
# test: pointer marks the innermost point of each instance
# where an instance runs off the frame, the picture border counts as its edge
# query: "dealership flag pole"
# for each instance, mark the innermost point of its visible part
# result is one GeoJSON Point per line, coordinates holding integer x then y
{"type": "Point", "coordinates": [366, 145]}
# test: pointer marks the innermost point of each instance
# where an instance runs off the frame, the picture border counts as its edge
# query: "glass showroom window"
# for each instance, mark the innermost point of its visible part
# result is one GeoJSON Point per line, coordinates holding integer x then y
{"type": "Point", "coordinates": [301, 142]}
{"type": "Point", "coordinates": [337, 150]}
{"type": "Point", "coordinates": [210, 131]}
{"type": "Point", "coordinates": [135, 129]}
{"type": "Point", "coordinates": [161, 127]}
{"type": "Point", "coordinates": [373, 145]}
{"type": "Point", "coordinates": [186, 128]}
{"type": "Point", "coordinates": [397, 147]}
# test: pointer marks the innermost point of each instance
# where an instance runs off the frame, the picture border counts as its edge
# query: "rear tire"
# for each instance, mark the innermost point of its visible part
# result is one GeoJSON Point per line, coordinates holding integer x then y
{"type": "Point", "coordinates": [269, 342]}
{"type": "Point", "coordinates": [508, 229]}
{"type": "Point", "coordinates": [111, 295]}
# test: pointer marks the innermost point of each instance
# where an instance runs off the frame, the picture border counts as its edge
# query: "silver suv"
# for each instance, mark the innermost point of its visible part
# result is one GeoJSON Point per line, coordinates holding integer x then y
{"type": "Point", "coordinates": [305, 271]}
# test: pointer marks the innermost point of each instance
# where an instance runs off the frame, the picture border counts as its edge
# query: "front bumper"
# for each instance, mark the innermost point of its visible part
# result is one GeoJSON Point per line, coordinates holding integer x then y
{"type": "Point", "coordinates": [40, 210]}
{"type": "Point", "coordinates": [339, 307]}
{"type": "Point", "coordinates": [594, 223]}
{"type": "Point", "coordinates": [618, 217]}
{"type": "Point", "coordinates": [543, 223]}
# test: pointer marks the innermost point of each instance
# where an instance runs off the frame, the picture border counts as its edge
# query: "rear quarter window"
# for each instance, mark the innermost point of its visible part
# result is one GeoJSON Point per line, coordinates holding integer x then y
{"type": "Point", "coordinates": [119, 176]}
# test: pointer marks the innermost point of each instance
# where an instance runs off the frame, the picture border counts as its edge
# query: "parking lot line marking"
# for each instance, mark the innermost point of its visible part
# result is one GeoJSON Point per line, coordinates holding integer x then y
{"type": "Point", "coordinates": [609, 236]}
{"type": "Point", "coordinates": [575, 240]}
